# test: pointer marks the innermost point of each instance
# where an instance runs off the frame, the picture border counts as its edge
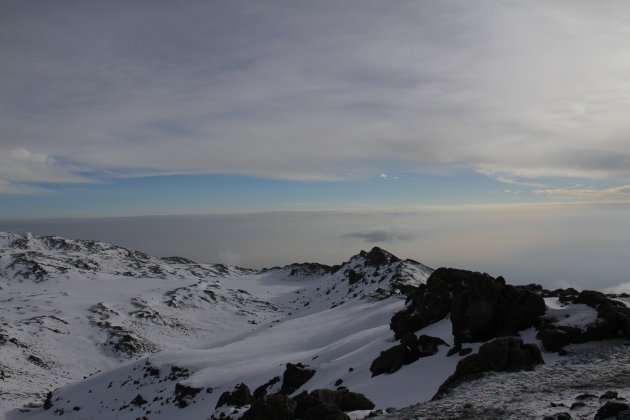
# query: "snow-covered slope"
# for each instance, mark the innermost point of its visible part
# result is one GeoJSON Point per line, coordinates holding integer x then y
{"type": "Point", "coordinates": [71, 308]}
{"type": "Point", "coordinates": [164, 338]}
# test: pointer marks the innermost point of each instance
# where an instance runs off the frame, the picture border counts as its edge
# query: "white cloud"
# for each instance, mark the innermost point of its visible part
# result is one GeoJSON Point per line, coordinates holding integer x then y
{"type": "Point", "coordinates": [620, 288]}
{"type": "Point", "coordinates": [622, 192]}
{"type": "Point", "coordinates": [316, 90]}
{"type": "Point", "coordinates": [393, 233]}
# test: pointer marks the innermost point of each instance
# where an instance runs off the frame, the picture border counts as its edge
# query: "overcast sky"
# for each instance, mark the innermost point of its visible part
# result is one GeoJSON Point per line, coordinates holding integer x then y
{"type": "Point", "coordinates": [132, 108]}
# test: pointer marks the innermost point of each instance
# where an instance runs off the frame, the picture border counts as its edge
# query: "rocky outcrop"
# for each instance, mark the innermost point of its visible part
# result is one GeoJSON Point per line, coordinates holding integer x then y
{"type": "Point", "coordinates": [480, 306]}
{"type": "Point", "coordinates": [271, 407]}
{"type": "Point", "coordinates": [501, 354]}
{"type": "Point", "coordinates": [295, 375]}
{"type": "Point", "coordinates": [411, 349]}
{"type": "Point", "coordinates": [613, 410]}
{"type": "Point", "coordinates": [329, 404]}
{"type": "Point", "coordinates": [613, 321]}
{"type": "Point", "coordinates": [239, 397]}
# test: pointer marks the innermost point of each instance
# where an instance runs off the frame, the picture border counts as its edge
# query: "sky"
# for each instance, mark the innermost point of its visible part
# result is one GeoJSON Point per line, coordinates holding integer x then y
{"type": "Point", "coordinates": [134, 110]}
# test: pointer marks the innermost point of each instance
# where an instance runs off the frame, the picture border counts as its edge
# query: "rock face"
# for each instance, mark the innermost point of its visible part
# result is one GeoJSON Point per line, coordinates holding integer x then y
{"type": "Point", "coordinates": [481, 306]}
{"type": "Point", "coordinates": [613, 321]}
{"type": "Point", "coordinates": [613, 410]}
{"type": "Point", "coordinates": [501, 354]}
{"type": "Point", "coordinates": [240, 397]}
{"type": "Point", "coordinates": [328, 404]}
{"type": "Point", "coordinates": [271, 407]}
{"type": "Point", "coordinates": [295, 375]}
{"type": "Point", "coordinates": [411, 349]}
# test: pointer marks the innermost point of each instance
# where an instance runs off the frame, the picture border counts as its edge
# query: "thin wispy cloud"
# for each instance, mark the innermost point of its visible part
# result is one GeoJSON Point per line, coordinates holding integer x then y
{"type": "Point", "coordinates": [315, 90]}
{"type": "Point", "coordinates": [622, 192]}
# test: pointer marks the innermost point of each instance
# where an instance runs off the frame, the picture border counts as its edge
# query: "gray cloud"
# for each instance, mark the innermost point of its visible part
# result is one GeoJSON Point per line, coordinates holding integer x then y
{"type": "Point", "coordinates": [314, 90]}
{"type": "Point", "coordinates": [394, 233]}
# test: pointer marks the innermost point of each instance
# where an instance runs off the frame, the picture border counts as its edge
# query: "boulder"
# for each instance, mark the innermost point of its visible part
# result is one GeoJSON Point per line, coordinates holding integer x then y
{"type": "Point", "coordinates": [239, 397]}
{"type": "Point", "coordinates": [330, 403]}
{"type": "Point", "coordinates": [480, 306]}
{"type": "Point", "coordinates": [295, 375]}
{"type": "Point", "coordinates": [392, 359]}
{"type": "Point", "coordinates": [271, 407]}
{"type": "Point", "coordinates": [261, 391]}
{"type": "Point", "coordinates": [501, 354]}
{"type": "Point", "coordinates": [613, 410]}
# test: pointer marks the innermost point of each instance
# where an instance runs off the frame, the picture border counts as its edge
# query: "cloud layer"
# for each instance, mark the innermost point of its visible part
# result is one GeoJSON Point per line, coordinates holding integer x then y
{"type": "Point", "coordinates": [394, 233]}
{"type": "Point", "coordinates": [313, 90]}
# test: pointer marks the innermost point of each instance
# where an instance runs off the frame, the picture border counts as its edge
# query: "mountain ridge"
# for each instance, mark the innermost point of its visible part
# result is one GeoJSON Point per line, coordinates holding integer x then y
{"type": "Point", "coordinates": [168, 337]}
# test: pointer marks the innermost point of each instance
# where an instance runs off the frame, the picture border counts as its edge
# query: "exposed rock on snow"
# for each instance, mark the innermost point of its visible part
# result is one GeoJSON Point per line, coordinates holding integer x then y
{"type": "Point", "coordinates": [502, 354]}
{"type": "Point", "coordinates": [480, 306]}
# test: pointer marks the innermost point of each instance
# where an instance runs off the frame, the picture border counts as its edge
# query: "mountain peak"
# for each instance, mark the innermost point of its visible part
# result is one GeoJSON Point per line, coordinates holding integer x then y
{"type": "Point", "coordinates": [378, 256]}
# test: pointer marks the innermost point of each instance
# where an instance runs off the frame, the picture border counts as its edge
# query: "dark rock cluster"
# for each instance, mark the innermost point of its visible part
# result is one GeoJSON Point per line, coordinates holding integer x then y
{"type": "Point", "coordinates": [613, 321]}
{"type": "Point", "coordinates": [408, 351]}
{"type": "Point", "coordinates": [499, 355]}
{"type": "Point", "coordinates": [480, 306]}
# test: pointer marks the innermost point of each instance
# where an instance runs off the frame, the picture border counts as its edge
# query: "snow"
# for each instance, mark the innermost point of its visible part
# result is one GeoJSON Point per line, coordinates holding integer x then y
{"type": "Point", "coordinates": [571, 314]}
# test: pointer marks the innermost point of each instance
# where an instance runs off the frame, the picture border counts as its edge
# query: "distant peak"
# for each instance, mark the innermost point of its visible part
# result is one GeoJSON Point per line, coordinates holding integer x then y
{"type": "Point", "coordinates": [378, 256]}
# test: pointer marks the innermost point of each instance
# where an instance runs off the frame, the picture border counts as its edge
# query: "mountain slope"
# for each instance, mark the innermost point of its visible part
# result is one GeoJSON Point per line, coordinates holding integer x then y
{"type": "Point", "coordinates": [71, 308]}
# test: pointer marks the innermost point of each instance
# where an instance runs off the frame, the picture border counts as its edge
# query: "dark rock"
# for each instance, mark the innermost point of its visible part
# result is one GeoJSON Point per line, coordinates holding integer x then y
{"type": "Point", "coordinates": [354, 277]}
{"type": "Point", "coordinates": [456, 348]}
{"type": "Point", "coordinates": [324, 412]}
{"type": "Point", "coordinates": [613, 321]}
{"type": "Point", "coordinates": [338, 382]}
{"type": "Point", "coordinates": [609, 395]}
{"type": "Point", "coordinates": [559, 416]}
{"type": "Point", "coordinates": [481, 306]}
{"type": "Point", "coordinates": [585, 396]}
{"type": "Point", "coordinates": [393, 359]}
{"type": "Point", "coordinates": [464, 351]}
{"type": "Point", "coordinates": [429, 345]}
{"type": "Point", "coordinates": [138, 400]}
{"type": "Point", "coordinates": [261, 391]}
{"type": "Point", "coordinates": [501, 354]}
{"type": "Point", "coordinates": [577, 404]}
{"type": "Point", "coordinates": [271, 407]}
{"type": "Point", "coordinates": [330, 403]}
{"type": "Point", "coordinates": [184, 394]}
{"type": "Point", "coordinates": [377, 257]}
{"type": "Point", "coordinates": [48, 402]}
{"type": "Point", "coordinates": [611, 410]}
{"type": "Point", "coordinates": [295, 375]}
{"type": "Point", "coordinates": [239, 397]}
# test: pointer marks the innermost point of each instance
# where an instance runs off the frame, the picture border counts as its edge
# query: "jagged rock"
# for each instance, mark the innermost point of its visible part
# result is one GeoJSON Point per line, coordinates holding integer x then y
{"type": "Point", "coordinates": [464, 351]}
{"type": "Point", "coordinates": [330, 403]}
{"type": "Point", "coordinates": [354, 277]}
{"type": "Point", "coordinates": [48, 401]}
{"type": "Point", "coordinates": [613, 321]}
{"type": "Point", "coordinates": [393, 359]}
{"type": "Point", "coordinates": [481, 306]}
{"type": "Point", "coordinates": [559, 416]}
{"type": "Point", "coordinates": [324, 412]}
{"type": "Point", "coordinates": [377, 257]}
{"type": "Point", "coordinates": [184, 394]}
{"type": "Point", "coordinates": [501, 354]}
{"type": "Point", "coordinates": [429, 345]}
{"type": "Point", "coordinates": [261, 391]}
{"type": "Point", "coordinates": [295, 375]}
{"type": "Point", "coordinates": [609, 395]}
{"type": "Point", "coordinates": [271, 407]}
{"type": "Point", "coordinates": [613, 410]}
{"type": "Point", "coordinates": [138, 400]}
{"type": "Point", "coordinates": [240, 397]}
{"type": "Point", "coordinates": [456, 348]}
